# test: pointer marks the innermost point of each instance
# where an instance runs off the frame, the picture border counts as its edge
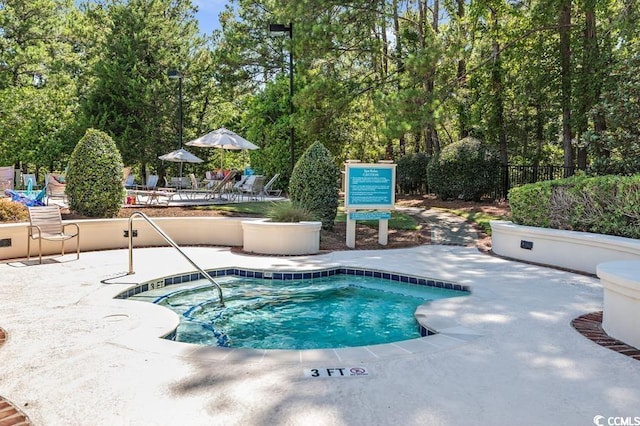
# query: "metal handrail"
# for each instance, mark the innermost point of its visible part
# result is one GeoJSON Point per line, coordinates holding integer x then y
{"type": "Point", "coordinates": [173, 244]}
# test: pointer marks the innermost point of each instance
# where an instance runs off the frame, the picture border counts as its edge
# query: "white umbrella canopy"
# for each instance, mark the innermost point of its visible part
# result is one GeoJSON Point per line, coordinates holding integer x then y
{"type": "Point", "coordinates": [222, 138]}
{"type": "Point", "coordinates": [180, 156]}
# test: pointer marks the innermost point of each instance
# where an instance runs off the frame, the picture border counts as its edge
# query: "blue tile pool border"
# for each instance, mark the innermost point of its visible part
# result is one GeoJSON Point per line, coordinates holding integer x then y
{"type": "Point", "coordinates": [292, 275]}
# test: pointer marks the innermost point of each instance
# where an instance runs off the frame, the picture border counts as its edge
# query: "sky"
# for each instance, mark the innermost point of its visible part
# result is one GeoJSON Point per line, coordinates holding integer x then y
{"type": "Point", "coordinates": [207, 15]}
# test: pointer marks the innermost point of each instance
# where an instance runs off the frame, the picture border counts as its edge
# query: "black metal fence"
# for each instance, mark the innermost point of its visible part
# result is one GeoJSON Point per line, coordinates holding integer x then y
{"type": "Point", "coordinates": [518, 175]}
{"type": "Point", "coordinates": [510, 176]}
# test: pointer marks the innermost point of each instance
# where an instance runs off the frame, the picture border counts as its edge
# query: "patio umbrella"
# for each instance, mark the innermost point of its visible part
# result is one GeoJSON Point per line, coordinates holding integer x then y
{"type": "Point", "coordinates": [180, 156]}
{"type": "Point", "coordinates": [223, 138]}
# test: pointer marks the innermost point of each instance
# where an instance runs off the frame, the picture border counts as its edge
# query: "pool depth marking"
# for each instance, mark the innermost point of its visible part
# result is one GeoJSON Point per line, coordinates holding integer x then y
{"type": "Point", "coordinates": [335, 372]}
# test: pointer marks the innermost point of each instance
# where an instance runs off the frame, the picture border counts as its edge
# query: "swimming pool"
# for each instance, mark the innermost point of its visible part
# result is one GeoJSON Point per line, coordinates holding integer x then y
{"type": "Point", "coordinates": [335, 311]}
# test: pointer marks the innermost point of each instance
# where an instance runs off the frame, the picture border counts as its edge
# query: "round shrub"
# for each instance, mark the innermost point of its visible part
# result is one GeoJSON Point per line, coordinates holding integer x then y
{"type": "Point", "coordinates": [314, 184]}
{"type": "Point", "coordinates": [411, 173]}
{"type": "Point", "coordinates": [94, 177]}
{"type": "Point", "coordinates": [465, 169]}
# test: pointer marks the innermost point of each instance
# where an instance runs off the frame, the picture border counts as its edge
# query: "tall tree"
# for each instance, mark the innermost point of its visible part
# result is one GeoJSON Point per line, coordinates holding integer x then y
{"type": "Point", "coordinates": [132, 98]}
{"type": "Point", "coordinates": [38, 92]}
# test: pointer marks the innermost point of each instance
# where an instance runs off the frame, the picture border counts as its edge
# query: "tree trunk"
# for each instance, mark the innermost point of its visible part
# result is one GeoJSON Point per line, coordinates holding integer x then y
{"type": "Point", "coordinates": [539, 132]}
{"type": "Point", "coordinates": [385, 43]}
{"type": "Point", "coordinates": [496, 80]}
{"type": "Point", "coordinates": [463, 115]}
{"type": "Point", "coordinates": [589, 77]}
{"type": "Point", "coordinates": [565, 81]}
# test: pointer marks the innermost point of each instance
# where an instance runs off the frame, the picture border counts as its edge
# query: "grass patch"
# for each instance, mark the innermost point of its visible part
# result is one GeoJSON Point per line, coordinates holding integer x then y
{"type": "Point", "coordinates": [399, 221]}
{"type": "Point", "coordinates": [255, 208]}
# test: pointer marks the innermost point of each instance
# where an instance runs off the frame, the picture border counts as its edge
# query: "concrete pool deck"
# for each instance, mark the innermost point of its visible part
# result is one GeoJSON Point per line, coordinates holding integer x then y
{"type": "Point", "coordinates": [75, 356]}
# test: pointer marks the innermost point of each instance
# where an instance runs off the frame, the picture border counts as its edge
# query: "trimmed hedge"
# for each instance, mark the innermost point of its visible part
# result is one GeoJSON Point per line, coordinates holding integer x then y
{"type": "Point", "coordinates": [466, 169]}
{"type": "Point", "coordinates": [315, 183]}
{"type": "Point", "coordinates": [605, 204]}
{"type": "Point", "coordinates": [411, 173]}
{"type": "Point", "coordinates": [94, 179]}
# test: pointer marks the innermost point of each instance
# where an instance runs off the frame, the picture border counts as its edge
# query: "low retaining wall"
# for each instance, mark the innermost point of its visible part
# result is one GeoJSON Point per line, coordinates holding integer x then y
{"type": "Point", "coordinates": [621, 314]}
{"type": "Point", "coordinates": [578, 251]}
{"type": "Point", "coordinates": [104, 234]}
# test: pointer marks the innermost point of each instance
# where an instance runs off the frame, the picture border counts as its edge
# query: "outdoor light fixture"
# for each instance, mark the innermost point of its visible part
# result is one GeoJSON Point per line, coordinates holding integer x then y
{"type": "Point", "coordinates": [281, 30]}
{"type": "Point", "coordinates": [175, 74]}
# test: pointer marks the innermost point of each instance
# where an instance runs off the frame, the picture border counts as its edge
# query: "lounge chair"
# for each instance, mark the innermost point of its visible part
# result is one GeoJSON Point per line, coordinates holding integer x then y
{"type": "Point", "coordinates": [194, 190]}
{"type": "Point", "coordinates": [151, 193]}
{"type": "Point", "coordinates": [6, 178]}
{"type": "Point", "coordinates": [235, 189]}
{"type": "Point", "coordinates": [220, 187]}
{"type": "Point", "coordinates": [46, 224]}
{"type": "Point", "coordinates": [152, 183]}
{"type": "Point", "coordinates": [130, 181]}
{"type": "Point", "coordinates": [194, 182]}
{"type": "Point", "coordinates": [266, 191]}
{"type": "Point", "coordinates": [55, 188]}
{"type": "Point", "coordinates": [253, 187]}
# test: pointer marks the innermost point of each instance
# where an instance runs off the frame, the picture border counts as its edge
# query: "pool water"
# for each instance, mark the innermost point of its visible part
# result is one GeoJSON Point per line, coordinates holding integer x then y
{"type": "Point", "coordinates": [332, 312]}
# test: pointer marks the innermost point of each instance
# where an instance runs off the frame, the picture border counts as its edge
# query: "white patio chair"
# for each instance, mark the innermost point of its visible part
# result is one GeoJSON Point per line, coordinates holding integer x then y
{"type": "Point", "coordinates": [266, 191]}
{"type": "Point", "coordinates": [253, 187]}
{"type": "Point", "coordinates": [46, 224]}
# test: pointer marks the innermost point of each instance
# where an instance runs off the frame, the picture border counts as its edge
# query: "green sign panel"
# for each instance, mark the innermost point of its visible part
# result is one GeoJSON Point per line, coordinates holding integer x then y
{"type": "Point", "coordinates": [369, 215]}
{"type": "Point", "coordinates": [370, 186]}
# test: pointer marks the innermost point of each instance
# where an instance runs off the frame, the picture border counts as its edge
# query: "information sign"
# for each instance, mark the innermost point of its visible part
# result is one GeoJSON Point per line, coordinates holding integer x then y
{"type": "Point", "coordinates": [366, 215]}
{"type": "Point", "coordinates": [370, 186]}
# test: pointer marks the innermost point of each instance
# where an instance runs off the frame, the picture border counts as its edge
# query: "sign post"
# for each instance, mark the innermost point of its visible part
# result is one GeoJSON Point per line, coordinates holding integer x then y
{"type": "Point", "coordinates": [369, 187]}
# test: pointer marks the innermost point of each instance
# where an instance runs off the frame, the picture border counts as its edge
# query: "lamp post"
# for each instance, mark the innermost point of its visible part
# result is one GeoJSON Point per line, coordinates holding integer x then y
{"type": "Point", "coordinates": [173, 74]}
{"type": "Point", "coordinates": [278, 30]}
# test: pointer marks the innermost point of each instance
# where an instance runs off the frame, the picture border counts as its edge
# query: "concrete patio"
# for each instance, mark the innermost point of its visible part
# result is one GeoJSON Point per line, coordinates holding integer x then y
{"type": "Point", "coordinates": [75, 356]}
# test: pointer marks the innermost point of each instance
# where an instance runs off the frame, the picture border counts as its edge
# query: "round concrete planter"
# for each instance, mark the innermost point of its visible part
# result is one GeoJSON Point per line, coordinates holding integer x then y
{"type": "Point", "coordinates": [621, 315]}
{"type": "Point", "coordinates": [283, 238]}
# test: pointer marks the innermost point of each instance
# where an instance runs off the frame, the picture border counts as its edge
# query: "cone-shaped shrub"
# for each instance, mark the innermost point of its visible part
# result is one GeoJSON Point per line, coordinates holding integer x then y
{"type": "Point", "coordinates": [314, 184]}
{"type": "Point", "coordinates": [94, 177]}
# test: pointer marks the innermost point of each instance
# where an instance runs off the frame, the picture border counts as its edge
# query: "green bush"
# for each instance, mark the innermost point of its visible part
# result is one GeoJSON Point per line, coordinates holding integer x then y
{"type": "Point", "coordinates": [605, 204]}
{"type": "Point", "coordinates": [411, 173]}
{"type": "Point", "coordinates": [314, 184]}
{"type": "Point", "coordinates": [465, 169]}
{"type": "Point", "coordinates": [94, 177]}
{"type": "Point", "coordinates": [11, 211]}
{"type": "Point", "coordinates": [534, 214]}
{"type": "Point", "coordinates": [287, 212]}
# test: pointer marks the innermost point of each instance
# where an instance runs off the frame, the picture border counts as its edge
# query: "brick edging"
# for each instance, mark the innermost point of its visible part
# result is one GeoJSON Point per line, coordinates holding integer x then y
{"type": "Point", "coordinates": [590, 326]}
{"type": "Point", "coordinates": [9, 414]}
